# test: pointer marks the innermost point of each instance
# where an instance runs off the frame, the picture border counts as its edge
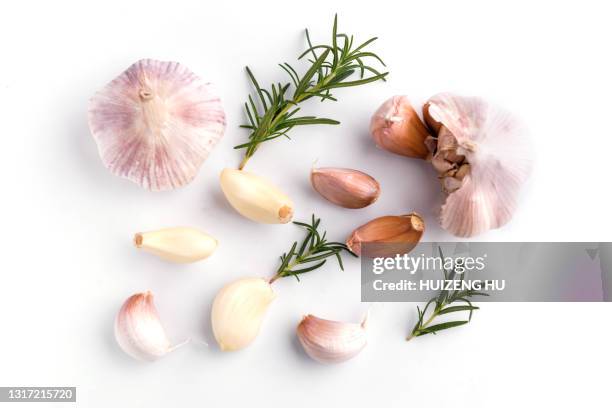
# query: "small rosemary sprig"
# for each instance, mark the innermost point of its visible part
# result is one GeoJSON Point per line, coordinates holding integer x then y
{"type": "Point", "coordinates": [443, 302]}
{"type": "Point", "coordinates": [311, 253]}
{"type": "Point", "coordinates": [328, 70]}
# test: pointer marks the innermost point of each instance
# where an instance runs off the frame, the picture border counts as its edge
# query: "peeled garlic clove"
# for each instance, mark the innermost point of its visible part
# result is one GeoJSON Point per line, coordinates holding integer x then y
{"type": "Point", "coordinates": [156, 123]}
{"type": "Point", "coordinates": [328, 341]}
{"type": "Point", "coordinates": [138, 329]}
{"type": "Point", "coordinates": [179, 244]}
{"type": "Point", "coordinates": [255, 198]}
{"type": "Point", "coordinates": [238, 311]}
{"type": "Point", "coordinates": [387, 236]}
{"type": "Point", "coordinates": [347, 188]}
{"type": "Point", "coordinates": [498, 152]}
{"type": "Point", "coordinates": [396, 127]}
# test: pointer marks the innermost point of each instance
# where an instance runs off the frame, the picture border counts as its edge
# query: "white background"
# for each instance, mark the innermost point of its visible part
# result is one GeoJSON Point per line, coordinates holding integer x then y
{"type": "Point", "coordinates": [67, 223]}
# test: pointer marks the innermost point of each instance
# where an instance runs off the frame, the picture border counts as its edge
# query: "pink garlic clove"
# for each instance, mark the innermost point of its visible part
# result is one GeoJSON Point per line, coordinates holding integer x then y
{"type": "Point", "coordinates": [347, 188]}
{"type": "Point", "coordinates": [156, 123]}
{"type": "Point", "coordinates": [328, 341]}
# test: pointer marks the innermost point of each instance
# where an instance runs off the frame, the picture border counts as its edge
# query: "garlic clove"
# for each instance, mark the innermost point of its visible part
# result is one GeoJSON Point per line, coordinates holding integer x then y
{"type": "Point", "coordinates": [178, 244]}
{"type": "Point", "coordinates": [156, 123]}
{"type": "Point", "coordinates": [139, 331]}
{"type": "Point", "coordinates": [387, 236]}
{"type": "Point", "coordinates": [495, 146]}
{"type": "Point", "coordinates": [238, 311]}
{"type": "Point", "coordinates": [328, 341]}
{"type": "Point", "coordinates": [347, 188]}
{"type": "Point", "coordinates": [396, 127]}
{"type": "Point", "coordinates": [255, 198]}
{"type": "Point", "coordinates": [432, 123]}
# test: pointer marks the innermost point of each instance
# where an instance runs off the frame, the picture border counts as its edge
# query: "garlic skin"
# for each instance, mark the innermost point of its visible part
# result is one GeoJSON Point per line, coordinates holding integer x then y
{"type": "Point", "coordinates": [238, 311]}
{"type": "Point", "coordinates": [347, 188]}
{"type": "Point", "coordinates": [255, 198]}
{"type": "Point", "coordinates": [483, 157]}
{"type": "Point", "coordinates": [177, 244]}
{"type": "Point", "coordinates": [138, 329]}
{"type": "Point", "coordinates": [387, 236]}
{"type": "Point", "coordinates": [330, 342]}
{"type": "Point", "coordinates": [156, 123]}
{"type": "Point", "coordinates": [396, 127]}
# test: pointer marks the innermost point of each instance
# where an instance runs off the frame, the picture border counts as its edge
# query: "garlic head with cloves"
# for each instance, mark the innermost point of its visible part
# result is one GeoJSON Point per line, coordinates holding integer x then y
{"type": "Point", "coordinates": [238, 312]}
{"type": "Point", "coordinates": [256, 198]}
{"type": "Point", "coordinates": [387, 236]}
{"type": "Point", "coordinates": [138, 329]}
{"type": "Point", "coordinates": [483, 157]}
{"type": "Point", "coordinates": [177, 244]}
{"type": "Point", "coordinates": [156, 123]}
{"type": "Point", "coordinates": [328, 341]}
{"type": "Point", "coordinates": [396, 127]}
{"type": "Point", "coordinates": [347, 188]}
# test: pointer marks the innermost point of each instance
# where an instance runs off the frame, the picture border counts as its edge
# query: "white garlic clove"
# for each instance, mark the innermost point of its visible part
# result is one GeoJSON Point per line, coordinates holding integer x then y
{"type": "Point", "coordinates": [238, 311]}
{"type": "Point", "coordinates": [139, 331]}
{"type": "Point", "coordinates": [178, 244]}
{"type": "Point", "coordinates": [347, 188]}
{"type": "Point", "coordinates": [156, 123]}
{"type": "Point", "coordinates": [255, 198]}
{"type": "Point", "coordinates": [328, 341]}
{"type": "Point", "coordinates": [498, 152]}
{"type": "Point", "coordinates": [397, 128]}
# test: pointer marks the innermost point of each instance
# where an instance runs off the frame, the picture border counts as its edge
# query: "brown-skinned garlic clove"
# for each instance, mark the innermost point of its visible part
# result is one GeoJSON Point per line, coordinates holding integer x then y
{"type": "Point", "coordinates": [138, 329]}
{"type": "Point", "coordinates": [347, 188]}
{"type": "Point", "coordinates": [330, 342]}
{"type": "Point", "coordinates": [177, 244]}
{"type": "Point", "coordinates": [387, 236]}
{"type": "Point", "coordinates": [156, 123]}
{"type": "Point", "coordinates": [256, 198]}
{"type": "Point", "coordinates": [396, 127]}
{"type": "Point", "coordinates": [431, 123]}
{"type": "Point", "coordinates": [491, 158]}
{"type": "Point", "coordinates": [238, 312]}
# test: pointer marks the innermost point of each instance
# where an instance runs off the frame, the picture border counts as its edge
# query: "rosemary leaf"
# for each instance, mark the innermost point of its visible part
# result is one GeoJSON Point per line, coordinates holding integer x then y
{"type": "Point", "coordinates": [314, 248]}
{"type": "Point", "coordinates": [329, 70]}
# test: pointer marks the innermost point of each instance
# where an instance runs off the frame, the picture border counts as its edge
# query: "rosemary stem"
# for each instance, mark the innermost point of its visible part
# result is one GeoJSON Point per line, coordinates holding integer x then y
{"type": "Point", "coordinates": [424, 325]}
{"type": "Point", "coordinates": [282, 112]}
{"type": "Point", "coordinates": [297, 261]}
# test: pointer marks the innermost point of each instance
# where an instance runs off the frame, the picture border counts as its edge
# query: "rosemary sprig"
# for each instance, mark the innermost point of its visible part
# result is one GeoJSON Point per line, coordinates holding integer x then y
{"type": "Point", "coordinates": [310, 254]}
{"type": "Point", "coordinates": [443, 302]}
{"type": "Point", "coordinates": [329, 70]}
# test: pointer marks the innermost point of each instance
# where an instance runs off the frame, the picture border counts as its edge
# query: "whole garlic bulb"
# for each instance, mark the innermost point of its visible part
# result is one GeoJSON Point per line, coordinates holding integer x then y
{"type": "Point", "coordinates": [483, 157]}
{"type": "Point", "coordinates": [396, 127]}
{"type": "Point", "coordinates": [156, 123]}
{"type": "Point", "coordinates": [328, 341]}
{"type": "Point", "coordinates": [255, 198]}
{"type": "Point", "coordinates": [178, 244]}
{"type": "Point", "coordinates": [347, 188]}
{"type": "Point", "coordinates": [138, 329]}
{"type": "Point", "coordinates": [238, 311]}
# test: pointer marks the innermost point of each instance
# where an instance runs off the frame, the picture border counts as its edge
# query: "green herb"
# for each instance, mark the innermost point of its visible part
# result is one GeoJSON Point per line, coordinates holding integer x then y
{"type": "Point", "coordinates": [442, 304]}
{"type": "Point", "coordinates": [328, 70]}
{"type": "Point", "coordinates": [311, 253]}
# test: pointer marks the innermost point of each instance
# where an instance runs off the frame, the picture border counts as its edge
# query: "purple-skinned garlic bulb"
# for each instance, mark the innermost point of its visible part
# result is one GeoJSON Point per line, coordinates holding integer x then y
{"type": "Point", "coordinates": [483, 157]}
{"type": "Point", "coordinates": [156, 123]}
